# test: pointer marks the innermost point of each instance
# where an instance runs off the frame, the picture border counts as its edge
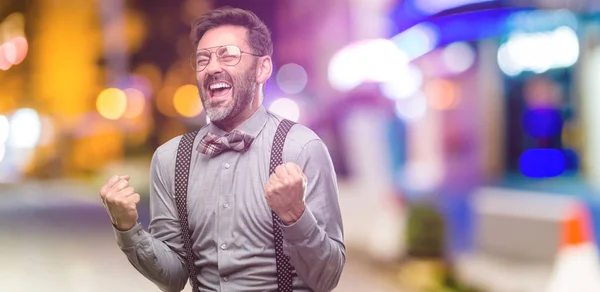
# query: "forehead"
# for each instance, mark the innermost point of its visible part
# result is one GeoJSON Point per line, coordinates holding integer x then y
{"type": "Point", "coordinates": [224, 35]}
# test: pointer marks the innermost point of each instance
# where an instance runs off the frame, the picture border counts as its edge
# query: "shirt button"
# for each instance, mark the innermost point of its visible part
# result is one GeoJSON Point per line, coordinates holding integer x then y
{"type": "Point", "coordinates": [225, 279]}
{"type": "Point", "coordinates": [223, 246]}
{"type": "Point", "coordinates": [225, 205]}
{"type": "Point", "coordinates": [227, 165]}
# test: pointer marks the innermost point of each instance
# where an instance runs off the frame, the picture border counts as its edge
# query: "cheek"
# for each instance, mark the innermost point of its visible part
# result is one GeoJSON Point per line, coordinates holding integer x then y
{"type": "Point", "coordinates": [236, 78]}
{"type": "Point", "coordinates": [247, 77]}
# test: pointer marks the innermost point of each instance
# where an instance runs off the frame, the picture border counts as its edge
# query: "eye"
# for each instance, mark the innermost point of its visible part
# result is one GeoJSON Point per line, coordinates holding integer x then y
{"type": "Point", "coordinates": [227, 57]}
{"type": "Point", "coordinates": [202, 61]}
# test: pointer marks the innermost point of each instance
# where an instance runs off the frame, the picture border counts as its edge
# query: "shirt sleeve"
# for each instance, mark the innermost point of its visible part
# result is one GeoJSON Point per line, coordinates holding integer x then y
{"type": "Point", "coordinates": [315, 242]}
{"type": "Point", "coordinates": [158, 254]}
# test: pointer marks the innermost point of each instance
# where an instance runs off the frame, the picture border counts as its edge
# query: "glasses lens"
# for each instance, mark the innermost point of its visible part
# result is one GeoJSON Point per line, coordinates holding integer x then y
{"type": "Point", "coordinates": [229, 55]}
{"type": "Point", "coordinates": [200, 59]}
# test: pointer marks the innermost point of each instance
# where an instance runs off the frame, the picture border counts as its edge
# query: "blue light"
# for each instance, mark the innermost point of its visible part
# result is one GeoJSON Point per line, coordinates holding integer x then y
{"type": "Point", "coordinates": [542, 123]}
{"type": "Point", "coordinates": [531, 21]}
{"type": "Point", "coordinates": [542, 163]}
{"type": "Point", "coordinates": [417, 40]}
{"type": "Point", "coordinates": [405, 15]}
{"type": "Point", "coordinates": [436, 6]}
{"type": "Point", "coordinates": [441, 31]}
{"type": "Point", "coordinates": [474, 25]}
{"type": "Point", "coordinates": [572, 160]}
{"type": "Point", "coordinates": [408, 13]}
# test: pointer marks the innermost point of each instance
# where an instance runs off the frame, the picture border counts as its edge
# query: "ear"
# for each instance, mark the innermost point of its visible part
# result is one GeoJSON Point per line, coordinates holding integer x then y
{"type": "Point", "coordinates": [264, 68]}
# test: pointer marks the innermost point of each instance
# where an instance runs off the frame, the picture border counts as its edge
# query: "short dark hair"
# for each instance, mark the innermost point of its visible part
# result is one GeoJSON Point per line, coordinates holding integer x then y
{"type": "Point", "coordinates": [258, 35]}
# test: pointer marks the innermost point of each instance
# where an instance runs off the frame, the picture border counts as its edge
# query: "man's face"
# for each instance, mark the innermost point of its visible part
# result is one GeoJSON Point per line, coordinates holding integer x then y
{"type": "Point", "coordinates": [225, 90]}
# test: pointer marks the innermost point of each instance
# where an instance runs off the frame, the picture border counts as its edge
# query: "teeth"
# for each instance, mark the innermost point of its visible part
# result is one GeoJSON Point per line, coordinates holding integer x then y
{"type": "Point", "coordinates": [218, 85]}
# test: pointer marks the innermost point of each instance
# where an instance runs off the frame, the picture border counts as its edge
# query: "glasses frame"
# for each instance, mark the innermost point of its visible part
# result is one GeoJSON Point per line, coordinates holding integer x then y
{"type": "Point", "coordinates": [211, 50]}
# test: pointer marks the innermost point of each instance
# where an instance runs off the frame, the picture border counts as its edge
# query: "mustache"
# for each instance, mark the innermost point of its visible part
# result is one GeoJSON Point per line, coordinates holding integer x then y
{"type": "Point", "coordinates": [217, 77]}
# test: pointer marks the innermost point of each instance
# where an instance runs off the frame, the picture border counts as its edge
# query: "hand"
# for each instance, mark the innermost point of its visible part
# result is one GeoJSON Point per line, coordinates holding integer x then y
{"type": "Point", "coordinates": [285, 191]}
{"type": "Point", "coordinates": [120, 200]}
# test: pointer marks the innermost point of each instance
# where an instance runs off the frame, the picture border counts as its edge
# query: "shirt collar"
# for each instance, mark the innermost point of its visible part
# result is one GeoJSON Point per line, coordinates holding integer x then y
{"type": "Point", "coordinates": [252, 126]}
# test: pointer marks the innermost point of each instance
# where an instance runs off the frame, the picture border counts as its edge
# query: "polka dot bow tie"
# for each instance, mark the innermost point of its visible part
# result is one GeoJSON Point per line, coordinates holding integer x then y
{"type": "Point", "coordinates": [213, 144]}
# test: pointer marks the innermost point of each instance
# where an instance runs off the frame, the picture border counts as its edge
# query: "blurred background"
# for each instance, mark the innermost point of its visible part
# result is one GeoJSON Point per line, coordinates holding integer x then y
{"type": "Point", "coordinates": [462, 132]}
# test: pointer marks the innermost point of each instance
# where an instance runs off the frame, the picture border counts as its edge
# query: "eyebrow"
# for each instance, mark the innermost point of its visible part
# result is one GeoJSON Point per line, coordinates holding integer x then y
{"type": "Point", "coordinates": [204, 49]}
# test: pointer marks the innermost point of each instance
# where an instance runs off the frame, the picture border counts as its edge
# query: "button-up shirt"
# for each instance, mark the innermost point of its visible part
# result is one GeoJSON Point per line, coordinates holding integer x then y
{"type": "Point", "coordinates": [231, 222]}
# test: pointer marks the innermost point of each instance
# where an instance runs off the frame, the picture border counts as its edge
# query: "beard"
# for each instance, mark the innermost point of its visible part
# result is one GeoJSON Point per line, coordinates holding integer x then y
{"type": "Point", "coordinates": [242, 92]}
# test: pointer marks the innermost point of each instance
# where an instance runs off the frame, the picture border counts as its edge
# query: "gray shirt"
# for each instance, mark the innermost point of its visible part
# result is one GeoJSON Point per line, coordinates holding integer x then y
{"type": "Point", "coordinates": [230, 221]}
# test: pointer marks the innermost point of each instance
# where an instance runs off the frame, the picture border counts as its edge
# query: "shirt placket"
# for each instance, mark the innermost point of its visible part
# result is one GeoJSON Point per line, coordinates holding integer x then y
{"type": "Point", "coordinates": [225, 220]}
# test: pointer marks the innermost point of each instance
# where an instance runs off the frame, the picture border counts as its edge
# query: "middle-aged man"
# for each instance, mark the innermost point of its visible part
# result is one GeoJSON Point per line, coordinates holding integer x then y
{"type": "Point", "coordinates": [240, 211]}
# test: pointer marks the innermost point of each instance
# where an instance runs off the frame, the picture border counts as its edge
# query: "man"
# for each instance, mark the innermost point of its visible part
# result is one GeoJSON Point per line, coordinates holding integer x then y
{"type": "Point", "coordinates": [231, 196]}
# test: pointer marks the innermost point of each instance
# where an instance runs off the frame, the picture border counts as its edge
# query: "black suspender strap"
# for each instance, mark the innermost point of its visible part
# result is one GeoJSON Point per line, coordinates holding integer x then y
{"type": "Point", "coordinates": [182, 173]}
{"type": "Point", "coordinates": [284, 268]}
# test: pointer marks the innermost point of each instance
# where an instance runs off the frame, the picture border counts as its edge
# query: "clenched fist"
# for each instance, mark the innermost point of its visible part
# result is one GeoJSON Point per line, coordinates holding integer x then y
{"type": "Point", "coordinates": [285, 191]}
{"type": "Point", "coordinates": [120, 201]}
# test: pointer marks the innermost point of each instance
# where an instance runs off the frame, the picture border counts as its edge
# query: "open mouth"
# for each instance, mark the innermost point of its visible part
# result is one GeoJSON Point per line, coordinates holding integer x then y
{"type": "Point", "coordinates": [219, 89]}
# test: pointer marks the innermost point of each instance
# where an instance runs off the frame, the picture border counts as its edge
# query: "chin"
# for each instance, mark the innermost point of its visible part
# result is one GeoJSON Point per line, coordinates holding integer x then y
{"type": "Point", "coordinates": [219, 114]}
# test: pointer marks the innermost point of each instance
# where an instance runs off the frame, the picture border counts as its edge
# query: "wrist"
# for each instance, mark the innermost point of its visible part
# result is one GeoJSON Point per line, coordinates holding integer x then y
{"type": "Point", "coordinates": [124, 227]}
{"type": "Point", "coordinates": [293, 215]}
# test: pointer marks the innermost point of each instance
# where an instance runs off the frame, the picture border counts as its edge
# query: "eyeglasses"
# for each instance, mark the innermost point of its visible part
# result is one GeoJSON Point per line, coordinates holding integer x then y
{"type": "Point", "coordinates": [228, 55]}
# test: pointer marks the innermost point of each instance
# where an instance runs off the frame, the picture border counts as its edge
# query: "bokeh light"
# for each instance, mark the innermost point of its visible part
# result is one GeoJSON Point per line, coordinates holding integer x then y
{"type": "Point", "coordinates": [5, 64]}
{"type": "Point", "coordinates": [187, 101]}
{"type": "Point", "coordinates": [539, 20]}
{"type": "Point", "coordinates": [381, 60]}
{"type": "Point", "coordinates": [542, 163]}
{"type": "Point", "coordinates": [412, 108]}
{"type": "Point", "coordinates": [13, 44]}
{"type": "Point", "coordinates": [506, 63]}
{"type": "Point", "coordinates": [291, 78]}
{"type": "Point", "coordinates": [539, 52]}
{"type": "Point", "coordinates": [10, 52]}
{"type": "Point", "coordinates": [404, 84]}
{"type": "Point", "coordinates": [458, 57]}
{"type": "Point", "coordinates": [417, 40]}
{"type": "Point", "coordinates": [342, 72]}
{"type": "Point", "coordinates": [2, 151]}
{"type": "Point", "coordinates": [442, 94]}
{"type": "Point", "coordinates": [286, 108]}
{"type": "Point", "coordinates": [376, 60]}
{"type": "Point", "coordinates": [25, 128]}
{"type": "Point", "coordinates": [21, 49]}
{"type": "Point", "coordinates": [567, 43]}
{"type": "Point", "coordinates": [111, 103]}
{"type": "Point", "coordinates": [4, 129]}
{"type": "Point", "coordinates": [136, 101]}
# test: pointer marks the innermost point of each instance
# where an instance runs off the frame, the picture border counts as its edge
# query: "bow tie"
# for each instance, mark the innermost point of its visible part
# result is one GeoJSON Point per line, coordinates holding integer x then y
{"type": "Point", "coordinates": [213, 144]}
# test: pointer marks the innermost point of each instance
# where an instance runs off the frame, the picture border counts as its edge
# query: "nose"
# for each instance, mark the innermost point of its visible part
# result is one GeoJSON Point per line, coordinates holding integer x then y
{"type": "Point", "coordinates": [213, 66]}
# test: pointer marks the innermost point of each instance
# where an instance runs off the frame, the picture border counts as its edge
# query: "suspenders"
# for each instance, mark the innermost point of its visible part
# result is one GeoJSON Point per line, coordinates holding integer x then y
{"type": "Point", "coordinates": [182, 171]}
